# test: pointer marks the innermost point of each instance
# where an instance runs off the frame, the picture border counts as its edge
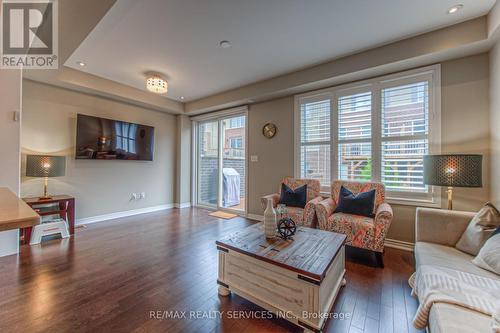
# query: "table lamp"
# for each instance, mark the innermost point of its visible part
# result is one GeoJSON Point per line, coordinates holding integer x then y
{"type": "Point", "coordinates": [45, 166]}
{"type": "Point", "coordinates": [453, 170]}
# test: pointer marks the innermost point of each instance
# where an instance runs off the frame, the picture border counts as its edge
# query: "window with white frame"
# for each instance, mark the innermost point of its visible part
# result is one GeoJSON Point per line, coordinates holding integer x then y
{"type": "Point", "coordinates": [236, 143]}
{"type": "Point", "coordinates": [377, 130]}
{"type": "Point", "coordinates": [237, 122]}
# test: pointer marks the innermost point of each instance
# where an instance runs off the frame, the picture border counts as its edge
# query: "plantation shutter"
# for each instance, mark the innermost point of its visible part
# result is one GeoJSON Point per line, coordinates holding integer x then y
{"type": "Point", "coordinates": [315, 139]}
{"type": "Point", "coordinates": [405, 136]}
{"type": "Point", "coordinates": [354, 136]}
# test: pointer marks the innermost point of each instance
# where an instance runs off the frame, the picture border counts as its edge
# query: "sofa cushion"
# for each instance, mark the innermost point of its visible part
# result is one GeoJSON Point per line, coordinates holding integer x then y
{"type": "Point", "coordinates": [448, 318]}
{"type": "Point", "coordinates": [360, 230]}
{"type": "Point", "coordinates": [479, 229]}
{"type": "Point", "coordinates": [447, 256]}
{"type": "Point", "coordinates": [296, 214]}
{"type": "Point", "coordinates": [489, 255]}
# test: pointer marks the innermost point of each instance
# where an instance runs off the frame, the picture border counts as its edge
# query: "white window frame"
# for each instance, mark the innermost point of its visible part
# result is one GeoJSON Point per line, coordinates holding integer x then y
{"type": "Point", "coordinates": [432, 74]}
{"type": "Point", "coordinates": [236, 140]}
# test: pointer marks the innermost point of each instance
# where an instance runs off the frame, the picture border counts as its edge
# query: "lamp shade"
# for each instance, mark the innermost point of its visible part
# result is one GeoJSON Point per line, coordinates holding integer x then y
{"type": "Point", "coordinates": [453, 170]}
{"type": "Point", "coordinates": [45, 166]}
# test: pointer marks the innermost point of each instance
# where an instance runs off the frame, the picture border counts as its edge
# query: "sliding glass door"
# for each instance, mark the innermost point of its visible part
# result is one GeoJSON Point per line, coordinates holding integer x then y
{"type": "Point", "coordinates": [221, 163]}
{"type": "Point", "coordinates": [233, 163]}
{"type": "Point", "coordinates": [208, 163]}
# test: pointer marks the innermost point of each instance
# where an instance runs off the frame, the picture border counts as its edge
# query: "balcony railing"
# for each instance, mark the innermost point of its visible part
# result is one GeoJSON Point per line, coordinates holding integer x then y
{"type": "Point", "coordinates": [236, 153]}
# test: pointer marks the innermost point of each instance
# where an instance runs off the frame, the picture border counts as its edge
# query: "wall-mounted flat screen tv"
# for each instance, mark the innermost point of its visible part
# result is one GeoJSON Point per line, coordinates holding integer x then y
{"type": "Point", "coordinates": [106, 139]}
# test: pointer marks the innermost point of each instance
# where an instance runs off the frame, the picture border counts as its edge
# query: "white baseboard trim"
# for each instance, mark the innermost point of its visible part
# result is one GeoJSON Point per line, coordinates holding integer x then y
{"type": "Point", "coordinates": [255, 217]}
{"type": "Point", "coordinates": [182, 205]}
{"type": "Point", "coordinates": [393, 243]}
{"type": "Point", "coordinates": [105, 217]}
{"type": "Point", "coordinates": [400, 245]}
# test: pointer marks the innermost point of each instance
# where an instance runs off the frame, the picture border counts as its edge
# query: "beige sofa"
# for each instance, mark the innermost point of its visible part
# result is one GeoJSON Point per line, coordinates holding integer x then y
{"type": "Point", "coordinates": [437, 232]}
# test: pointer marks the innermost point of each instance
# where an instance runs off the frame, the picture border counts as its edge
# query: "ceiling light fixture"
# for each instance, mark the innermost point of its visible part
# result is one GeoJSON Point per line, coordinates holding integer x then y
{"type": "Point", "coordinates": [182, 97]}
{"type": "Point", "coordinates": [81, 63]}
{"type": "Point", "coordinates": [455, 9]}
{"type": "Point", "coordinates": [225, 44]}
{"type": "Point", "coordinates": [156, 84]}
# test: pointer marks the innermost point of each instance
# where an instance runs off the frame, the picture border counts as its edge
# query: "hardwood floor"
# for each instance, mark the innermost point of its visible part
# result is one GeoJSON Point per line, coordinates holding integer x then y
{"type": "Point", "coordinates": [112, 276]}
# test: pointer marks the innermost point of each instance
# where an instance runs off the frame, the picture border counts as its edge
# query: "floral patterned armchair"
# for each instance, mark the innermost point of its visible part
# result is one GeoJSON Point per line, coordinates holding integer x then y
{"type": "Point", "coordinates": [362, 232]}
{"type": "Point", "coordinates": [306, 216]}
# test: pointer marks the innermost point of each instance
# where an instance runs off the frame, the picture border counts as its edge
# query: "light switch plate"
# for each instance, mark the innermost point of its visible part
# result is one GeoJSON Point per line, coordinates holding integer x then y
{"type": "Point", "coordinates": [254, 158]}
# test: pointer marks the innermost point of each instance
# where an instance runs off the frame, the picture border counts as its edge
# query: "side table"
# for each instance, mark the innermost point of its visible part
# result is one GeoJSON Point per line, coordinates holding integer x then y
{"type": "Point", "coordinates": [65, 208]}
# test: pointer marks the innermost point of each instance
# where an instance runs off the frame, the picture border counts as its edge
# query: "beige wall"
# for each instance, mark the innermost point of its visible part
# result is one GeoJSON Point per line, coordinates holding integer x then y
{"type": "Point", "coordinates": [100, 187]}
{"type": "Point", "coordinates": [465, 128]}
{"type": "Point", "coordinates": [10, 129]}
{"type": "Point", "coordinates": [495, 122]}
{"type": "Point", "coordinates": [465, 120]}
{"type": "Point", "coordinates": [275, 155]}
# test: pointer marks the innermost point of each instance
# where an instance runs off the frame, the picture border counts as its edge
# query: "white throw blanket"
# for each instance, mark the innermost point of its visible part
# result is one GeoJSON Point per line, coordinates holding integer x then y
{"type": "Point", "coordinates": [495, 323]}
{"type": "Point", "coordinates": [444, 285]}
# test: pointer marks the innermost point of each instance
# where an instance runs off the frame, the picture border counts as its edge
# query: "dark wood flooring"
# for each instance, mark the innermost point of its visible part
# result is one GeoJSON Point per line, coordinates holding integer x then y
{"type": "Point", "coordinates": [111, 276]}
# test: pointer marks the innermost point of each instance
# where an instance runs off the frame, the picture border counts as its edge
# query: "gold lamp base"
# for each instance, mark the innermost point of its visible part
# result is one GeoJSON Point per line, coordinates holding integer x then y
{"type": "Point", "coordinates": [450, 197]}
{"type": "Point", "coordinates": [46, 195]}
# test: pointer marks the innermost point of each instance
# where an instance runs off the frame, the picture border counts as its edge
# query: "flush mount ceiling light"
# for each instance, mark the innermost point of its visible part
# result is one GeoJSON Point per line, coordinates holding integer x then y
{"type": "Point", "coordinates": [156, 84]}
{"type": "Point", "coordinates": [81, 63]}
{"type": "Point", "coordinates": [455, 9]}
{"type": "Point", "coordinates": [182, 97]}
{"type": "Point", "coordinates": [225, 44]}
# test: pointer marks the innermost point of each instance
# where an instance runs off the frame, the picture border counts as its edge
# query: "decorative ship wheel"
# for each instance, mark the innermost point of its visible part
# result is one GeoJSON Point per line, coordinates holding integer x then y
{"type": "Point", "coordinates": [286, 228]}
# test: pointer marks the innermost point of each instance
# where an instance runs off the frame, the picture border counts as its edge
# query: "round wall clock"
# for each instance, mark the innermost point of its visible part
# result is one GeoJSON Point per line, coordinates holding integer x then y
{"type": "Point", "coordinates": [269, 130]}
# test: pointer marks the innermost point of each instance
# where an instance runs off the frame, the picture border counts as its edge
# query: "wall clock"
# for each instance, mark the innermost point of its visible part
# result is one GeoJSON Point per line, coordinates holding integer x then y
{"type": "Point", "coordinates": [269, 130]}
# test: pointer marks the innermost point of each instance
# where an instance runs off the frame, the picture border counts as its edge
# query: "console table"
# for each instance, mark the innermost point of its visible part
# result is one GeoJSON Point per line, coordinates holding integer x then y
{"type": "Point", "coordinates": [65, 208]}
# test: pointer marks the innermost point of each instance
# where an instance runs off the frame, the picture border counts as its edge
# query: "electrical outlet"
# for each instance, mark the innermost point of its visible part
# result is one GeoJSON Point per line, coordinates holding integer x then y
{"type": "Point", "coordinates": [254, 158]}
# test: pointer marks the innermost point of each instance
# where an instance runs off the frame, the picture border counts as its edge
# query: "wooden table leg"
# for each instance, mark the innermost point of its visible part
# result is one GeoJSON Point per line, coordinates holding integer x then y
{"type": "Point", "coordinates": [27, 235]}
{"type": "Point", "coordinates": [71, 216]}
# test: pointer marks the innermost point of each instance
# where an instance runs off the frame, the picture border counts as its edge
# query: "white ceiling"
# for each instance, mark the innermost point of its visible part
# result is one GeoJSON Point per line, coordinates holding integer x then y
{"type": "Point", "coordinates": [180, 38]}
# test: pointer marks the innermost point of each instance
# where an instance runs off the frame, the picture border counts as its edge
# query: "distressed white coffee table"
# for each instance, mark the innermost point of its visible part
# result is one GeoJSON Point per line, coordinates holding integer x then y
{"type": "Point", "coordinates": [297, 280]}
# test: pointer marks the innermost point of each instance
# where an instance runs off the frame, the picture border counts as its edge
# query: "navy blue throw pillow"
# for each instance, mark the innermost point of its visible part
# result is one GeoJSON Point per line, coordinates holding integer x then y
{"type": "Point", "coordinates": [360, 204]}
{"type": "Point", "coordinates": [293, 198]}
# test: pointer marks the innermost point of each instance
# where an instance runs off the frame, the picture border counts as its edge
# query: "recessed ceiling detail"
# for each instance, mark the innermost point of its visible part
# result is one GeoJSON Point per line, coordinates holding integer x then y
{"type": "Point", "coordinates": [182, 39]}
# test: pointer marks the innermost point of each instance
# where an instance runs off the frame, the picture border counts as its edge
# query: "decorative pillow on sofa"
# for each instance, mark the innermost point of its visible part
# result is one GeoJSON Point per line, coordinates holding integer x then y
{"type": "Point", "coordinates": [479, 229]}
{"type": "Point", "coordinates": [489, 255]}
{"type": "Point", "coordinates": [361, 204]}
{"type": "Point", "coordinates": [297, 198]}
